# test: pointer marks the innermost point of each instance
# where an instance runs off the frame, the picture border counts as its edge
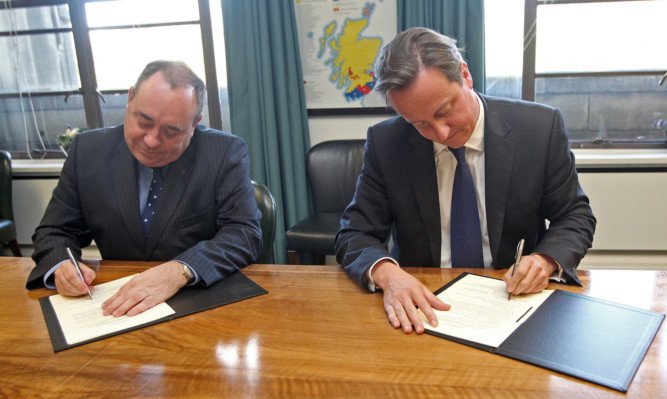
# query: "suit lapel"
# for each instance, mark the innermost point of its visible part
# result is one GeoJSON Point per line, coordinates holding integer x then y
{"type": "Point", "coordinates": [174, 185]}
{"type": "Point", "coordinates": [499, 161]}
{"type": "Point", "coordinates": [124, 175]}
{"type": "Point", "coordinates": [421, 169]}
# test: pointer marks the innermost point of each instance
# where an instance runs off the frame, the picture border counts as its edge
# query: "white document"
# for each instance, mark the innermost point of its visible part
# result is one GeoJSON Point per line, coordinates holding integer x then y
{"type": "Point", "coordinates": [82, 319]}
{"type": "Point", "coordinates": [480, 310]}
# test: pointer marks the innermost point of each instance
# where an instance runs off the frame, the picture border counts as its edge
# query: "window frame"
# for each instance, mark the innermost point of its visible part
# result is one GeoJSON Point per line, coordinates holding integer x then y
{"type": "Point", "coordinates": [529, 75]}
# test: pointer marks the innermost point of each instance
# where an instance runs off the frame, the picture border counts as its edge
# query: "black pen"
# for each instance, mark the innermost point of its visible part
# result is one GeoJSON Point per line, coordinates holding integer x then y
{"type": "Point", "coordinates": [519, 251]}
{"type": "Point", "coordinates": [78, 269]}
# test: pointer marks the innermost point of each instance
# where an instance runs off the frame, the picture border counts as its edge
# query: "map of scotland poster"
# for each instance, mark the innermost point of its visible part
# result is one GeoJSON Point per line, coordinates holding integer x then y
{"type": "Point", "coordinates": [340, 42]}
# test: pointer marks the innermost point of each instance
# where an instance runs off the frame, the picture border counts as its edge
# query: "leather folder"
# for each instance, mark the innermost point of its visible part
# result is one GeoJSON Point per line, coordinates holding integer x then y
{"type": "Point", "coordinates": [584, 337]}
{"type": "Point", "coordinates": [188, 300]}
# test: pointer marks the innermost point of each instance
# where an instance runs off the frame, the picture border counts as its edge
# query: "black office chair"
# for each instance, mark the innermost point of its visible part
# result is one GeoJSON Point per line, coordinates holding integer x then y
{"type": "Point", "coordinates": [267, 206]}
{"type": "Point", "coordinates": [7, 226]}
{"type": "Point", "coordinates": [333, 168]}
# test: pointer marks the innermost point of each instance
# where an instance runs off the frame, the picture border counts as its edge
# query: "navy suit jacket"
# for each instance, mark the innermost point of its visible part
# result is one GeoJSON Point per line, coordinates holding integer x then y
{"type": "Point", "coordinates": [206, 216]}
{"type": "Point", "coordinates": [530, 178]}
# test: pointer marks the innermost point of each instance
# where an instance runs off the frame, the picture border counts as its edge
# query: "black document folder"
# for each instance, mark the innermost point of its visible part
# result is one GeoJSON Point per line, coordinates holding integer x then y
{"type": "Point", "coordinates": [188, 300]}
{"type": "Point", "coordinates": [592, 339]}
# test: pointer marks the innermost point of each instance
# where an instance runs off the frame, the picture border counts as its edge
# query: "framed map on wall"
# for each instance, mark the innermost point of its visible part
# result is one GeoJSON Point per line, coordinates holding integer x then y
{"type": "Point", "coordinates": [339, 42]}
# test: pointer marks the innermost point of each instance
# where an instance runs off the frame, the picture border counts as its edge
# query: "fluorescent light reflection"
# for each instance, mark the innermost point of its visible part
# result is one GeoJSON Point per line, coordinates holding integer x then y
{"type": "Point", "coordinates": [243, 355]}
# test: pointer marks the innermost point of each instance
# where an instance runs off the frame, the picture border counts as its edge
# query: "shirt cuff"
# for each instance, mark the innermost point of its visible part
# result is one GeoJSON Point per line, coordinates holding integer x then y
{"type": "Point", "coordinates": [370, 284]}
{"type": "Point", "coordinates": [557, 275]}
{"type": "Point", "coordinates": [49, 282]}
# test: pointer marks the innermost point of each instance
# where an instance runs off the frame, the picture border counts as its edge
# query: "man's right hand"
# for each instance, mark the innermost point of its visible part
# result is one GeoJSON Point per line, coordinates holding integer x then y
{"type": "Point", "coordinates": [69, 283]}
{"type": "Point", "coordinates": [402, 292]}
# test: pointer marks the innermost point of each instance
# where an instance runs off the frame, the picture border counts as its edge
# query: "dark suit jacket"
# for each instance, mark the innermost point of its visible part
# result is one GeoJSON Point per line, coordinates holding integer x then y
{"type": "Point", "coordinates": [206, 217]}
{"type": "Point", "coordinates": [530, 177]}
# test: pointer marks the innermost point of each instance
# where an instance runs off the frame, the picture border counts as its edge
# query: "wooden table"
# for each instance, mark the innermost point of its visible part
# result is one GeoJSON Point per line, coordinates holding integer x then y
{"type": "Point", "coordinates": [316, 334]}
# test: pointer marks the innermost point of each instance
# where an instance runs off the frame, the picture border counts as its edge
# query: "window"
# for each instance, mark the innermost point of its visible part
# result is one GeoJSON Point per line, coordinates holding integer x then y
{"type": "Point", "coordinates": [599, 62]}
{"type": "Point", "coordinates": [38, 69]}
{"type": "Point", "coordinates": [503, 46]}
{"type": "Point", "coordinates": [72, 63]}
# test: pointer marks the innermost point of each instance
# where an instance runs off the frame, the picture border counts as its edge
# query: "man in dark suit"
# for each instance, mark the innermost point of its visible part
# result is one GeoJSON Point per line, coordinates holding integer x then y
{"type": "Point", "coordinates": [205, 224]}
{"type": "Point", "coordinates": [518, 156]}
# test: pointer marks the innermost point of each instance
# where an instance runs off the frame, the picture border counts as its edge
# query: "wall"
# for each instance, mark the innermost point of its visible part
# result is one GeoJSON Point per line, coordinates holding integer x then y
{"type": "Point", "coordinates": [629, 208]}
{"type": "Point", "coordinates": [323, 128]}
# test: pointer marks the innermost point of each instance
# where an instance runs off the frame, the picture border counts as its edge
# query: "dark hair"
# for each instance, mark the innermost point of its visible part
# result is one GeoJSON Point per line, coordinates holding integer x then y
{"type": "Point", "coordinates": [176, 74]}
{"type": "Point", "coordinates": [413, 50]}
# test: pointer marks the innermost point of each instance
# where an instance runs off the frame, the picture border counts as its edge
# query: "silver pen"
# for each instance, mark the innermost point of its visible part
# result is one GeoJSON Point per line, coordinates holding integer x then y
{"type": "Point", "coordinates": [78, 269]}
{"type": "Point", "coordinates": [519, 251]}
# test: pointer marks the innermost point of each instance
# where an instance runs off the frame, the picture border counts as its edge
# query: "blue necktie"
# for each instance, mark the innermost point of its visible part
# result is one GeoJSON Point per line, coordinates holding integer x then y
{"type": "Point", "coordinates": [151, 200]}
{"type": "Point", "coordinates": [465, 233]}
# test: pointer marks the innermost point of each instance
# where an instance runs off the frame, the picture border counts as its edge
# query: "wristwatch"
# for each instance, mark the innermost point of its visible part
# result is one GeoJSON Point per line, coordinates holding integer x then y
{"type": "Point", "coordinates": [188, 274]}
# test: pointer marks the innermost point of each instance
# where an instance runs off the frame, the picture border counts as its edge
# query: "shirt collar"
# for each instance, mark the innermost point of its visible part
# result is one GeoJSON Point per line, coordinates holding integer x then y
{"type": "Point", "coordinates": [162, 169]}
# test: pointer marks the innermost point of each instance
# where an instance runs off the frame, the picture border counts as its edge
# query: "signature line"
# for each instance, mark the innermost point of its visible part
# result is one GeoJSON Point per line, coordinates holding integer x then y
{"type": "Point", "coordinates": [529, 309]}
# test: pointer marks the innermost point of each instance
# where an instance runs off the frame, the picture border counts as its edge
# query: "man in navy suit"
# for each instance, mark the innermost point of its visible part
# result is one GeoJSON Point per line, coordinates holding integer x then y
{"type": "Point", "coordinates": [524, 175]}
{"type": "Point", "coordinates": [205, 225]}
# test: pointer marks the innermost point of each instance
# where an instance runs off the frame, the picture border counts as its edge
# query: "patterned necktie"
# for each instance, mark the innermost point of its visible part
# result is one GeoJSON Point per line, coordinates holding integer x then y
{"type": "Point", "coordinates": [151, 200]}
{"type": "Point", "coordinates": [465, 233]}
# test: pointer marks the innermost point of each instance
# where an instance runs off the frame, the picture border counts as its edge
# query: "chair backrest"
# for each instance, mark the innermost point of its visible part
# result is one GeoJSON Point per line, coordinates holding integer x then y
{"type": "Point", "coordinates": [6, 211]}
{"type": "Point", "coordinates": [267, 206]}
{"type": "Point", "coordinates": [333, 169]}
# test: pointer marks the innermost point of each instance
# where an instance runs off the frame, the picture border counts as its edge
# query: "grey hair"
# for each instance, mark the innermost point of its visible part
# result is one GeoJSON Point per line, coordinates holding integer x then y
{"type": "Point", "coordinates": [410, 52]}
{"type": "Point", "coordinates": [176, 74]}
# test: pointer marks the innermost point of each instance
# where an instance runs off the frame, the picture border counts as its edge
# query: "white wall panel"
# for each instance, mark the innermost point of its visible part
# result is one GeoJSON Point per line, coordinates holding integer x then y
{"type": "Point", "coordinates": [630, 209]}
{"type": "Point", "coordinates": [30, 198]}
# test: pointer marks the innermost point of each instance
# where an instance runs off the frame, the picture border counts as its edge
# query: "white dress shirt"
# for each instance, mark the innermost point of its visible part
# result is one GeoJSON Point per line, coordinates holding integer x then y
{"type": "Point", "coordinates": [445, 166]}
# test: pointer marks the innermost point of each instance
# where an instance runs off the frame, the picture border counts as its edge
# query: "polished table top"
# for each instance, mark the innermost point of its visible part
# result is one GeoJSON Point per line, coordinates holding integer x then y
{"type": "Point", "coordinates": [316, 334]}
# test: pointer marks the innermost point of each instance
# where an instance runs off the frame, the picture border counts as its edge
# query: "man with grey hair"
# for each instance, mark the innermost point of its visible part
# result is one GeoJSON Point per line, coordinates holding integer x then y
{"type": "Point", "coordinates": [453, 151]}
{"type": "Point", "coordinates": [159, 187]}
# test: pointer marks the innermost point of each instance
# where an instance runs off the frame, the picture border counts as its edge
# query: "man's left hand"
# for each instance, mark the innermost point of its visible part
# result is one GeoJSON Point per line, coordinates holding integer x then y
{"type": "Point", "coordinates": [146, 290]}
{"type": "Point", "coordinates": [531, 276]}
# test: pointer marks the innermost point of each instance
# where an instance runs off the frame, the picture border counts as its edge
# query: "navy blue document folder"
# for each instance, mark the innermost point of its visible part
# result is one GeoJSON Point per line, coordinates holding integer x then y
{"type": "Point", "coordinates": [584, 337]}
{"type": "Point", "coordinates": [188, 300]}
